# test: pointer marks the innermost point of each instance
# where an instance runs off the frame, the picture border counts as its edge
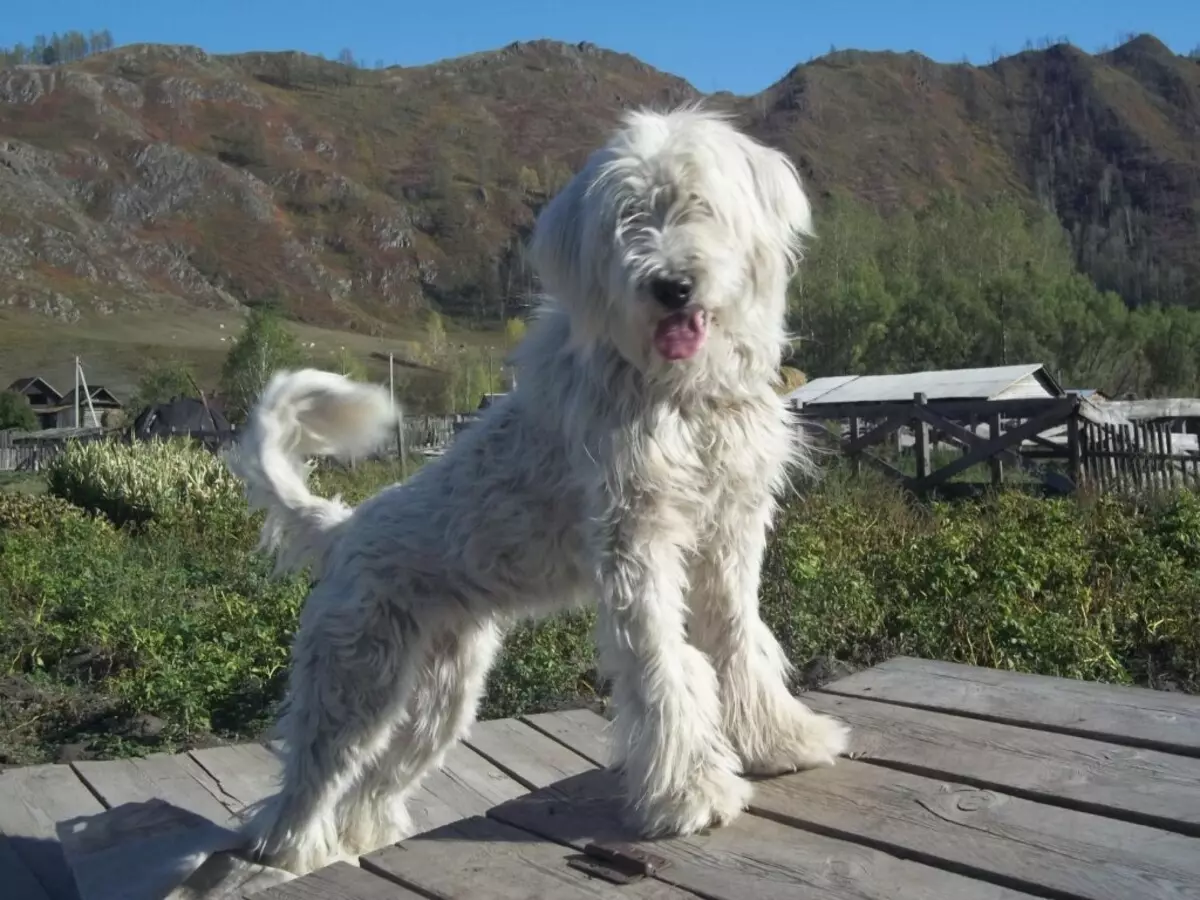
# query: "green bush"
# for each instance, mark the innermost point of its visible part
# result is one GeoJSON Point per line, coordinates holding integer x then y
{"type": "Point", "coordinates": [1105, 588]}
{"type": "Point", "coordinates": [171, 621]}
{"type": "Point", "coordinates": [137, 482]}
{"type": "Point", "coordinates": [32, 511]}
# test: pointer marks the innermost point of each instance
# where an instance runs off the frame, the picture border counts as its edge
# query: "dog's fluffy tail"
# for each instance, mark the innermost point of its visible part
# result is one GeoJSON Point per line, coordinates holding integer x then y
{"type": "Point", "coordinates": [300, 415]}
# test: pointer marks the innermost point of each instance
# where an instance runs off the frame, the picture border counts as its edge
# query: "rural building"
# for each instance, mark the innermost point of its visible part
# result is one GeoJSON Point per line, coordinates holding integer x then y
{"type": "Point", "coordinates": [42, 396]}
{"type": "Point", "coordinates": [183, 416]}
{"type": "Point", "coordinates": [56, 410]}
{"type": "Point", "coordinates": [102, 402]}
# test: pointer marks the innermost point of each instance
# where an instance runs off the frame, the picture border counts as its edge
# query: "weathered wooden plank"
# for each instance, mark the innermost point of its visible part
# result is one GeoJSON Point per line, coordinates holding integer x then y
{"type": "Point", "coordinates": [243, 773]}
{"type": "Point", "coordinates": [481, 784]}
{"type": "Point", "coordinates": [35, 800]}
{"type": "Point", "coordinates": [750, 859]}
{"type": "Point", "coordinates": [340, 881]}
{"type": "Point", "coordinates": [467, 785]}
{"type": "Point", "coordinates": [427, 808]}
{"type": "Point", "coordinates": [526, 754]}
{"type": "Point", "coordinates": [1012, 409]}
{"type": "Point", "coordinates": [1124, 715]}
{"type": "Point", "coordinates": [582, 730]}
{"type": "Point", "coordinates": [1154, 788]}
{"type": "Point", "coordinates": [986, 834]}
{"type": "Point", "coordinates": [177, 780]}
{"type": "Point", "coordinates": [485, 858]}
{"type": "Point", "coordinates": [16, 878]}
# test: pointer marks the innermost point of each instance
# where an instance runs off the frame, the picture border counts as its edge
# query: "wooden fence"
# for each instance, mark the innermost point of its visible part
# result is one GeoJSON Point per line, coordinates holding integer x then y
{"type": "Point", "coordinates": [1141, 455]}
{"type": "Point", "coordinates": [32, 452]}
{"type": "Point", "coordinates": [1061, 442]}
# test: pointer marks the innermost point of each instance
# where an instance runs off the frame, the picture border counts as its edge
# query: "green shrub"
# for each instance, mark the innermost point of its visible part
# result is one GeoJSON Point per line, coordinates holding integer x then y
{"type": "Point", "coordinates": [136, 482]}
{"type": "Point", "coordinates": [33, 511]}
{"type": "Point", "coordinates": [168, 622]}
{"type": "Point", "coordinates": [1106, 589]}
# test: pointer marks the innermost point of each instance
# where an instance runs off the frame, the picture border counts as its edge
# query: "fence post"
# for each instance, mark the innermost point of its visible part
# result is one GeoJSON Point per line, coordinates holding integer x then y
{"type": "Point", "coordinates": [1074, 451]}
{"type": "Point", "coordinates": [996, 464]}
{"type": "Point", "coordinates": [855, 462]}
{"type": "Point", "coordinates": [924, 464]}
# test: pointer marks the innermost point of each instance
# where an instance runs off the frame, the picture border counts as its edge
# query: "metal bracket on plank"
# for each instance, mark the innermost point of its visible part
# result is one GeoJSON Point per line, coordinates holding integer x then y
{"type": "Point", "coordinates": [617, 862]}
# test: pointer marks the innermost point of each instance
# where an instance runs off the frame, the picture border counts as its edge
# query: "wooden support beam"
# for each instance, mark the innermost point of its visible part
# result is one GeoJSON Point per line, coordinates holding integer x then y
{"type": "Point", "coordinates": [956, 431]}
{"type": "Point", "coordinates": [855, 462]}
{"type": "Point", "coordinates": [996, 463]}
{"type": "Point", "coordinates": [955, 409]}
{"type": "Point", "coordinates": [1075, 453]}
{"type": "Point", "coordinates": [858, 443]}
{"type": "Point", "coordinates": [1049, 418]}
{"type": "Point", "coordinates": [924, 463]}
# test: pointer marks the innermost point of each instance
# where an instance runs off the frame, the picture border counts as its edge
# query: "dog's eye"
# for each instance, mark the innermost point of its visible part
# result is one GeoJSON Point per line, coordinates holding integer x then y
{"type": "Point", "coordinates": [697, 206]}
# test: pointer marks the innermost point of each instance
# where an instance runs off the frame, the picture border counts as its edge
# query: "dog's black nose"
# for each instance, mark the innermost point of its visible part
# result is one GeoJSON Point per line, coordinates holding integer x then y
{"type": "Point", "coordinates": [673, 293]}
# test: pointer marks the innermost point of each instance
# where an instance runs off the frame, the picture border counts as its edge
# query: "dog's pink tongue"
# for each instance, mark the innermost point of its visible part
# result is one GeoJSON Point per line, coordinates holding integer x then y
{"type": "Point", "coordinates": [680, 335]}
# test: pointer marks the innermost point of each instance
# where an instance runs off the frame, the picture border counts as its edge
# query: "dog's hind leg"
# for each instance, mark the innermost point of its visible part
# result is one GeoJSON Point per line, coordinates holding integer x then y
{"type": "Point", "coordinates": [680, 773]}
{"type": "Point", "coordinates": [440, 710]}
{"type": "Point", "coordinates": [352, 670]}
{"type": "Point", "coordinates": [772, 731]}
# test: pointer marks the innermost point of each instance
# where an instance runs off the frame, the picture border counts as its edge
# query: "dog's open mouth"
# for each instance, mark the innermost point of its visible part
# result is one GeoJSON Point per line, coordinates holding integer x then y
{"type": "Point", "coordinates": [681, 334]}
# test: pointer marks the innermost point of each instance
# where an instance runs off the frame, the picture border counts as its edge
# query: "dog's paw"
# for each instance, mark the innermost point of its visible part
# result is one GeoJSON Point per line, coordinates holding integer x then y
{"type": "Point", "coordinates": [711, 797]}
{"type": "Point", "coordinates": [367, 827]}
{"type": "Point", "coordinates": [796, 739]}
{"type": "Point", "coordinates": [298, 850]}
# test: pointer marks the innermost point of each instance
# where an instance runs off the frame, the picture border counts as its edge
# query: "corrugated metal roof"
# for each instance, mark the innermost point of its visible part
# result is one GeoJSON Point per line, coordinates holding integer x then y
{"type": "Point", "coordinates": [996, 383]}
{"type": "Point", "coordinates": [808, 393]}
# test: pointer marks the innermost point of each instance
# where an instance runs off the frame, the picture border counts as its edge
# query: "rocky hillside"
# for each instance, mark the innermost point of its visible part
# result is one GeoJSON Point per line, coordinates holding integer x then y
{"type": "Point", "coordinates": [151, 174]}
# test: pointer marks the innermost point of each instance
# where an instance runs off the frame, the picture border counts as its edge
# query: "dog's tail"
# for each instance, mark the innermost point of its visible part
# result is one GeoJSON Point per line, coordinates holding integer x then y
{"type": "Point", "coordinates": [300, 415]}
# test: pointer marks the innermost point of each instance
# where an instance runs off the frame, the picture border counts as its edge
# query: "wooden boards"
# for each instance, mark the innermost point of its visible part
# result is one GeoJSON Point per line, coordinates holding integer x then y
{"type": "Point", "coordinates": [1113, 713]}
{"type": "Point", "coordinates": [964, 783]}
{"type": "Point", "coordinates": [33, 800]}
{"type": "Point", "coordinates": [1145, 786]}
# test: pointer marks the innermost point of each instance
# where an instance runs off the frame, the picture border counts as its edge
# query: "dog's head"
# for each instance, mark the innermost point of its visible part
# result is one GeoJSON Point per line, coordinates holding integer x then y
{"type": "Point", "coordinates": [675, 244]}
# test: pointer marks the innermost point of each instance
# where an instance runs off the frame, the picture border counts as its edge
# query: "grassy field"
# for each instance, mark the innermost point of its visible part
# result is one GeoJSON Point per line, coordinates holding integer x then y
{"type": "Point", "coordinates": [135, 616]}
{"type": "Point", "coordinates": [115, 350]}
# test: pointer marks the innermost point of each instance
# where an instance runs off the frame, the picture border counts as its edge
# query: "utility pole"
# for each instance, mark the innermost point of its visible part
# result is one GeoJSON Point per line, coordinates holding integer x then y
{"type": "Point", "coordinates": [399, 418]}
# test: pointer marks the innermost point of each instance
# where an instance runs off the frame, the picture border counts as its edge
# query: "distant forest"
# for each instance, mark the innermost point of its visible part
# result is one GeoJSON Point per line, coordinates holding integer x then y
{"type": "Point", "coordinates": [57, 48]}
{"type": "Point", "coordinates": [957, 285]}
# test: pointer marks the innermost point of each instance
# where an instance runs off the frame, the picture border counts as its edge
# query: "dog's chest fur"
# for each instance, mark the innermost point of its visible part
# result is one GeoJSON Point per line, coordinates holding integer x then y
{"type": "Point", "coordinates": [738, 448]}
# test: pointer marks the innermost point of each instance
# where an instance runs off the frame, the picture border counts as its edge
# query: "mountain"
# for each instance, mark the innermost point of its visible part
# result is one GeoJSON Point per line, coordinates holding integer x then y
{"type": "Point", "coordinates": [158, 176]}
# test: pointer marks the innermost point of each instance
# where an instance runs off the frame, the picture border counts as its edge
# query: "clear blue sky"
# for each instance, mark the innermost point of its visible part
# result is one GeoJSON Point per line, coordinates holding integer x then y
{"type": "Point", "coordinates": [742, 45]}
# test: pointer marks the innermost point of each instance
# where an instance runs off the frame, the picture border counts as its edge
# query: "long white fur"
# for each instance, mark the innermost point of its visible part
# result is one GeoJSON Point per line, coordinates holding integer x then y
{"type": "Point", "coordinates": [610, 476]}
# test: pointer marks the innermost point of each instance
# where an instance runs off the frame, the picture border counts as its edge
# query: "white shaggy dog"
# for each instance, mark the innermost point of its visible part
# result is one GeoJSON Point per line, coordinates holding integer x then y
{"type": "Point", "coordinates": [636, 465]}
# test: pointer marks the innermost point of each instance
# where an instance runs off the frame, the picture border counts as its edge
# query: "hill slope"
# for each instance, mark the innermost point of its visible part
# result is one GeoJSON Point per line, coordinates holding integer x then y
{"type": "Point", "coordinates": [153, 175]}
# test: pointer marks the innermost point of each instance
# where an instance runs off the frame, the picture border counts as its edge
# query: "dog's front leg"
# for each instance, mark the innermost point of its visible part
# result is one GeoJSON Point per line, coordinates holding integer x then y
{"type": "Point", "coordinates": [680, 773]}
{"type": "Point", "coordinates": [772, 731]}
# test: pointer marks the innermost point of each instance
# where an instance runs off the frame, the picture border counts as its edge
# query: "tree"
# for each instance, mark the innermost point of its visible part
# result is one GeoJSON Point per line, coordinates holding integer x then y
{"type": "Point", "coordinates": [435, 336]}
{"type": "Point", "coordinates": [954, 284]}
{"type": "Point", "coordinates": [346, 363]}
{"type": "Point", "coordinates": [15, 412]}
{"type": "Point", "coordinates": [264, 347]}
{"type": "Point", "coordinates": [163, 382]}
{"type": "Point", "coordinates": [514, 331]}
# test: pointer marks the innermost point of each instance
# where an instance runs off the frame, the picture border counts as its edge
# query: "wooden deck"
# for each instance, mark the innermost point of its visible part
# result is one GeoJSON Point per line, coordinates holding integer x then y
{"type": "Point", "coordinates": [964, 784]}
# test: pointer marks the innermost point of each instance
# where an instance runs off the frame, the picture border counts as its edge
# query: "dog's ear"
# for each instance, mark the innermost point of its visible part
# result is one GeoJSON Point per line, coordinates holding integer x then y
{"type": "Point", "coordinates": [782, 196]}
{"type": "Point", "coordinates": [557, 243]}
